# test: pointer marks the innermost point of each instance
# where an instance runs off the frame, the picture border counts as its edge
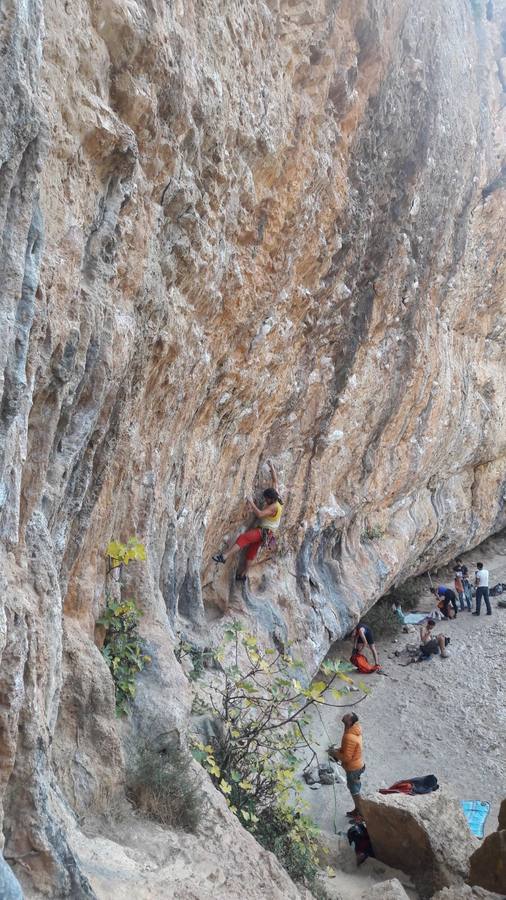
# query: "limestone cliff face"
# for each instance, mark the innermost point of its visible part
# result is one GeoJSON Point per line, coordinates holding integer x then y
{"type": "Point", "coordinates": [232, 231]}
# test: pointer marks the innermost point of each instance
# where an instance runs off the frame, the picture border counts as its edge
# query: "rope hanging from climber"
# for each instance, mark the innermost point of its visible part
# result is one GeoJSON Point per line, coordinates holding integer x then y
{"type": "Point", "coordinates": [262, 534]}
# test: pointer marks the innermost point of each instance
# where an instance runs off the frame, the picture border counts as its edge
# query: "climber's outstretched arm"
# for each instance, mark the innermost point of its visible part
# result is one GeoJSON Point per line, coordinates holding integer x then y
{"type": "Point", "coordinates": [273, 475]}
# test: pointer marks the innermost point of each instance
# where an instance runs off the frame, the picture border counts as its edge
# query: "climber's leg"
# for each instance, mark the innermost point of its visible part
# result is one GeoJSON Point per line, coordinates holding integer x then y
{"type": "Point", "coordinates": [253, 546]}
{"type": "Point", "coordinates": [251, 538]}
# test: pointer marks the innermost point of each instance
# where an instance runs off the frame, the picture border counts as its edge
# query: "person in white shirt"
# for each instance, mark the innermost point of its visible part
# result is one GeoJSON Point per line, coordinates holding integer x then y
{"type": "Point", "coordinates": [481, 582]}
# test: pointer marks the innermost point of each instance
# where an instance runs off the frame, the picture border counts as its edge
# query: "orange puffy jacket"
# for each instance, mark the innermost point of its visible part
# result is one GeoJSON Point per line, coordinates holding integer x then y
{"type": "Point", "coordinates": [351, 749]}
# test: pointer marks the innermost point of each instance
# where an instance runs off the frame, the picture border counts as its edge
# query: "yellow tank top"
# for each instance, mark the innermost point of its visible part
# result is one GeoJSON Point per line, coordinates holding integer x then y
{"type": "Point", "coordinates": [272, 522]}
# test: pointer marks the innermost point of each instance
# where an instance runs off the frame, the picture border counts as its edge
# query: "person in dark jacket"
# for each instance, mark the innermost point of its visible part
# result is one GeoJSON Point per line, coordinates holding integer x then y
{"type": "Point", "coordinates": [447, 601]}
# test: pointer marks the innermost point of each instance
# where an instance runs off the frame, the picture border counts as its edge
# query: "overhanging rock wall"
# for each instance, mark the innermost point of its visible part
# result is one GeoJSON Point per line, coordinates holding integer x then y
{"type": "Point", "coordinates": [233, 231]}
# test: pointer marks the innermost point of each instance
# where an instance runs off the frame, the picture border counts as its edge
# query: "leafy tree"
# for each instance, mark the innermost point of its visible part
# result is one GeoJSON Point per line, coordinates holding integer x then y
{"type": "Point", "coordinates": [261, 706]}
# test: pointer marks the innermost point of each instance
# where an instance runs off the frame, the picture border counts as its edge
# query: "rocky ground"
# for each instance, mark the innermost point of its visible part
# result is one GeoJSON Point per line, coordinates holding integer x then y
{"type": "Point", "coordinates": [446, 717]}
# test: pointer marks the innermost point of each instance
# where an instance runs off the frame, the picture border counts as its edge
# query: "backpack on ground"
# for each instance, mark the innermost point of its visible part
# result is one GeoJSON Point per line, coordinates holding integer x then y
{"type": "Point", "coordinates": [362, 664]}
{"type": "Point", "coordinates": [423, 784]}
{"type": "Point", "coordinates": [359, 838]}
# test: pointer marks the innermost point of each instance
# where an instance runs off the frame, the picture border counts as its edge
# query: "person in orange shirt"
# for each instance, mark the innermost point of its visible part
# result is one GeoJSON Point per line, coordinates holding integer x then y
{"type": "Point", "coordinates": [350, 756]}
{"type": "Point", "coordinates": [459, 587]}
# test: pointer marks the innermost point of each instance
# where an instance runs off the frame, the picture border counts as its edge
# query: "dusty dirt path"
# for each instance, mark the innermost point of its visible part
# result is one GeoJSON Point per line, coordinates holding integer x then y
{"type": "Point", "coordinates": [446, 716]}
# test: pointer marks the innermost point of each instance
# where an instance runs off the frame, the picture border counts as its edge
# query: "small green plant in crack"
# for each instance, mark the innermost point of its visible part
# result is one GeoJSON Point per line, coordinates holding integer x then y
{"type": "Point", "coordinates": [197, 656]}
{"type": "Point", "coordinates": [123, 649]}
{"type": "Point", "coordinates": [372, 533]}
{"type": "Point", "coordinates": [119, 554]}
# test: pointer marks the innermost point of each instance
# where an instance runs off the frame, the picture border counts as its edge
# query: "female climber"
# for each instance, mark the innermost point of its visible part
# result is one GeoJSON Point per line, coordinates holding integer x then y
{"type": "Point", "coordinates": [253, 539]}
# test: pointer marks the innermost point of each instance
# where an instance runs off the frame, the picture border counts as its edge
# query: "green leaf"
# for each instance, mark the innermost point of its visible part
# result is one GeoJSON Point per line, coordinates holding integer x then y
{"type": "Point", "coordinates": [246, 686]}
{"type": "Point", "coordinates": [114, 549]}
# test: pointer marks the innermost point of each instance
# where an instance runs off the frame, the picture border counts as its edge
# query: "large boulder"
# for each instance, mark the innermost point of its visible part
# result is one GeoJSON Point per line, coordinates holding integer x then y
{"type": "Point", "coordinates": [426, 836]}
{"type": "Point", "coordinates": [386, 890]}
{"type": "Point", "coordinates": [465, 892]}
{"type": "Point", "coordinates": [488, 862]}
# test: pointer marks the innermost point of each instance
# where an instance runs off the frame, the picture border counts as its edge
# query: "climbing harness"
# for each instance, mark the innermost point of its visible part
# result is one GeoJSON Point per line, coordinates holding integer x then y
{"type": "Point", "coordinates": [269, 541]}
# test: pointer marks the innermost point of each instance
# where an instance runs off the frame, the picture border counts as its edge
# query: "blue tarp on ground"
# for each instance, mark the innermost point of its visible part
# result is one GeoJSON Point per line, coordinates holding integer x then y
{"type": "Point", "coordinates": [476, 812]}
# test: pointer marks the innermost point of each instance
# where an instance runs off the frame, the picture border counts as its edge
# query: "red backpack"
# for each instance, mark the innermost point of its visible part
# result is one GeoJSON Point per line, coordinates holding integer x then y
{"type": "Point", "coordinates": [362, 664]}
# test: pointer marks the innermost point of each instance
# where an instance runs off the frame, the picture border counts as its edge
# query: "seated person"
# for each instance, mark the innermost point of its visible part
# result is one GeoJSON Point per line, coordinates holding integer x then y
{"type": "Point", "coordinates": [447, 601]}
{"type": "Point", "coordinates": [431, 642]}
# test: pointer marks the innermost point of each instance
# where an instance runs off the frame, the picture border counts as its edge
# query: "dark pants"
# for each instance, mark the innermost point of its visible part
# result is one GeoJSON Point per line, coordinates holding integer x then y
{"type": "Point", "coordinates": [482, 592]}
{"type": "Point", "coordinates": [446, 604]}
{"type": "Point", "coordinates": [429, 648]}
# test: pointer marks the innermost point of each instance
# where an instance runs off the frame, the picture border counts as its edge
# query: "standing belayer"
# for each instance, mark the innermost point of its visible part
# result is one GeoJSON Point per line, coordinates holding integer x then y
{"type": "Point", "coordinates": [481, 582]}
{"type": "Point", "coordinates": [263, 533]}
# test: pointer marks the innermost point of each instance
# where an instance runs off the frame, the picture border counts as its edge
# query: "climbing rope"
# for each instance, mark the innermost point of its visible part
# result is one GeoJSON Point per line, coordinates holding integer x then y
{"type": "Point", "coordinates": [336, 831]}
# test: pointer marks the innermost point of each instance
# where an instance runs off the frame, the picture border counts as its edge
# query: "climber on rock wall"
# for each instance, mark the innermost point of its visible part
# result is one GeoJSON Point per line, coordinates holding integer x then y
{"type": "Point", "coordinates": [269, 517]}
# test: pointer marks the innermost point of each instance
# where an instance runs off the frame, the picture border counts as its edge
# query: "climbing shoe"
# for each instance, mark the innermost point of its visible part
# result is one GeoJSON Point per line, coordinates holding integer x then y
{"type": "Point", "coordinates": [240, 578]}
{"type": "Point", "coordinates": [219, 558]}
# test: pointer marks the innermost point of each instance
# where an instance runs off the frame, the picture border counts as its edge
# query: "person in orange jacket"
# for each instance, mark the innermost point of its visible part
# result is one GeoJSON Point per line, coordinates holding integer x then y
{"type": "Point", "coordinates": [350, 756]}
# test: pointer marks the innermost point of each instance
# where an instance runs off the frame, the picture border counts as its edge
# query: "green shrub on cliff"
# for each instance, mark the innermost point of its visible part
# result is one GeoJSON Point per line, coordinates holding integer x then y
{"type": "Point", "coordinates": [161, 785]}
{"type": "Point", "coordinates": [123, 649]}
{"type": "Point", "coordinates": [372, 533]}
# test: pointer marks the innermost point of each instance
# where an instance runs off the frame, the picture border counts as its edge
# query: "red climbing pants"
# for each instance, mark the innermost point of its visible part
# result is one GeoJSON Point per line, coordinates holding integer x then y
{"type": "Point", "coordinates": [252, 540]}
